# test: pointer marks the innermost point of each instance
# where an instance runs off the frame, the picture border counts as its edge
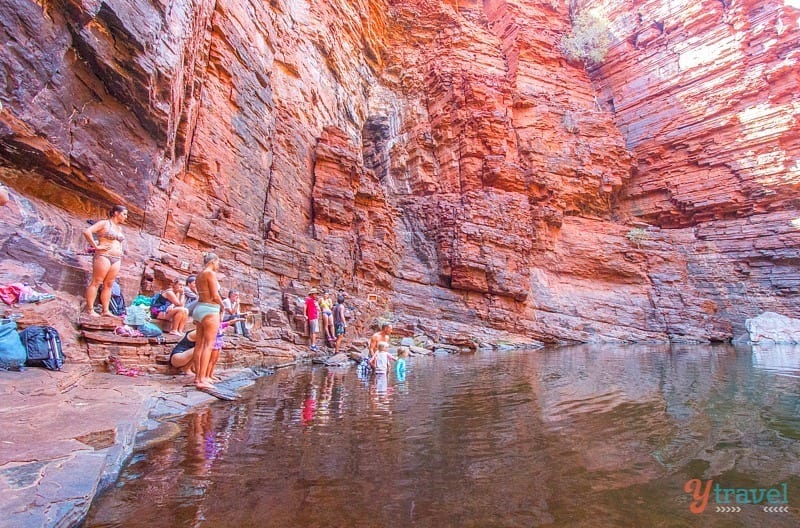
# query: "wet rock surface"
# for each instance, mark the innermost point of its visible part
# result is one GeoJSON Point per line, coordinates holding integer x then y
{"type": "Point", "coordinates": [67, 434]}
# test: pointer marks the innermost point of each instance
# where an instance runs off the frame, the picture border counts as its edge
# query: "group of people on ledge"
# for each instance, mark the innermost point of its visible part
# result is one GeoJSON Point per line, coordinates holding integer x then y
{"type": "Point", "coordinates": [197, 297]}
{"type": "Point", "coordinates": [332, 317]}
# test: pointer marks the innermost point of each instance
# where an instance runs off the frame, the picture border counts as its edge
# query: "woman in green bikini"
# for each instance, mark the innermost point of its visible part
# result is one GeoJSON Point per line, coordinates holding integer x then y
{"type": "Point", "coordinates": [106, 238]}
{"type": "Point", "coordinates": [206, 317]}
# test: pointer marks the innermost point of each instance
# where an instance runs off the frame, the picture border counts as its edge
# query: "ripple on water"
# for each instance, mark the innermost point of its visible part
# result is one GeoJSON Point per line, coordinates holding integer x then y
{"type": "Point", "coordinates": [584, 436]}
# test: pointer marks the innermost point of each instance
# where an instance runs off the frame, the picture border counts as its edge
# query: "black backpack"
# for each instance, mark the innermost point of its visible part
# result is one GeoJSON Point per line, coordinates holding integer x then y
{"type": "Point", "coordinates": [117, 303]}
{"type": "Point", "coordinates": [43, 346]}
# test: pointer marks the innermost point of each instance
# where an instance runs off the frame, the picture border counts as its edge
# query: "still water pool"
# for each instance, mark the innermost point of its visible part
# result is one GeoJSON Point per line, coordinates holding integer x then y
{"type": "Point", "coordinates": [578, 436]}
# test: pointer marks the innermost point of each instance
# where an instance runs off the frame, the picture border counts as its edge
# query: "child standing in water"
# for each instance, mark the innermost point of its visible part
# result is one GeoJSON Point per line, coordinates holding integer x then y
{"type": "Point", "coordinates": [400, 365]}
{"type": "Point", "coordinates": [380, 360]}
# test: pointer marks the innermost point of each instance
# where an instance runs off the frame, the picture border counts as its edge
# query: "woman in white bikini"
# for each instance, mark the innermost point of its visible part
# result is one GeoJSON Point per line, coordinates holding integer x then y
{"type": "Point", "coordinates": [106, 238]}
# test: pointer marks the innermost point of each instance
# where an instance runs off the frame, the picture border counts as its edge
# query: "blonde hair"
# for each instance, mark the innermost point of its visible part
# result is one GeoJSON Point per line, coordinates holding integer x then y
{"type": "Point", "coordinates": [383, 345]}
{"type": "Point", "coordinates": [402, 352]}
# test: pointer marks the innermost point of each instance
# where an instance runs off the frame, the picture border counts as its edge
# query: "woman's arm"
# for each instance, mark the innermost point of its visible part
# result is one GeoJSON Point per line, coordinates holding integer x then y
{"type": "Point", "coordinates": [214, 283]}
{"type": "Point", "coordinates": [172, 297]}
{"type": "Point", "coordinates": [90, 231]}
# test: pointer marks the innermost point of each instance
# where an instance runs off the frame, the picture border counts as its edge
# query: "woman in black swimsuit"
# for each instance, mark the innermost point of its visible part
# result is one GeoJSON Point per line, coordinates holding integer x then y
{"type": "Point", "coordinates": [106, 238]}
{"type": "Point", "coordinates": [182, 355]}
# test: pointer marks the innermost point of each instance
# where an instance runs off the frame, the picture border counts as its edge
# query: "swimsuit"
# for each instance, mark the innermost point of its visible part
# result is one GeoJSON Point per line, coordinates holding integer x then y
{"type": "Point", "coordinates": [113, 259]}
{"type": "Point", "coordinates": [326, 306]}
{"type": "Point", "coordinates": [182, 346]}
{"type": "Point", "coordinates": [218, 342]}
{"type": "Point", "coordinates": [110, 234]}
{"type": "Point", "coordinates": [338, 320]}
{"type": "Point", "coordinates": [203, 309]}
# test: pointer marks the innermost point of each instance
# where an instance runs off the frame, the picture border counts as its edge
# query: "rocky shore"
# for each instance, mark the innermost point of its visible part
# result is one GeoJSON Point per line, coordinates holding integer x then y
{"type": "Point", "coordinates": [67, 434]}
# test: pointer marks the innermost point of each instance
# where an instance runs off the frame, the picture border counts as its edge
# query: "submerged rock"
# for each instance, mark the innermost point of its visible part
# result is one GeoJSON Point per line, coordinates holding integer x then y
{"type": "Point", "coordinates": [419, 351]}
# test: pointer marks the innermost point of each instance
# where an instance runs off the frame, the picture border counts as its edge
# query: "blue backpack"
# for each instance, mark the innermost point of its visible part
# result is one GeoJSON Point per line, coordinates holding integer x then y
{"type": "Point", "coordinates": [12, 353]}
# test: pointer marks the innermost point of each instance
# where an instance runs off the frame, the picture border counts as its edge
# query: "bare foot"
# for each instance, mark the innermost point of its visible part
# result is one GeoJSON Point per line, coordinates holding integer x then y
{"type": "Point", "coordinates": [201, 385]}
{"type": "Point", "coordinates": [93, 314]}
{"type": "Point", "coordinates": [216, 379]}
{"type": "Point", "coordinates": [107, 314]}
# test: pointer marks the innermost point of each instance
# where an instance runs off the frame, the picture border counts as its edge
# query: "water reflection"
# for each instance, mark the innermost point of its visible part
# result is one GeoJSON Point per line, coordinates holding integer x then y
{"type": "Point", "coordinates": [580, 436]}
{"type": "Point", "coordinates": [783, 359]}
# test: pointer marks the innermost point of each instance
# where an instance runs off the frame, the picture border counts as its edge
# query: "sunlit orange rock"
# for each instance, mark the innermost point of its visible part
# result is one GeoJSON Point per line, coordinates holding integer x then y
{"type": "Point", "coordinates": [440, 161]}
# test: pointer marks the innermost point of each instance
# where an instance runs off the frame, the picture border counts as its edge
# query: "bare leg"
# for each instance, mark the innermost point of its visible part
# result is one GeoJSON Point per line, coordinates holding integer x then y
{"type": "Point", "coordinates": [183, 360]}
{"type": "Point", "coordinates": [205, 336]}
{"type": "Point", "coordinates": [100, 267]}
{"type": "Point", "coordinates": [108, 283]}
{"type": "Point", "coordinates": [213, 363]}
{"type": "Point", "coordinates": [178, 317]}
{"type": "Point", "coordinates": [313, 334]}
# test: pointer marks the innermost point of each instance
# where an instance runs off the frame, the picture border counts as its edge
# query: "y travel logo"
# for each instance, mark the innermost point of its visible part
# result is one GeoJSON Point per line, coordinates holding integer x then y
{"type": "Point", "coordinates": [731, 500]}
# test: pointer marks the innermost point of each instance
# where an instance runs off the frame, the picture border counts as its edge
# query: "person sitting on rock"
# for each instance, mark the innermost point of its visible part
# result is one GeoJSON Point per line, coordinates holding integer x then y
{"type": "Point", "coordinates": [190, 292]}
{"type": "Point", "coordinates": [233, 310]}
{"type": "Point", "coordinates": [169, 306]}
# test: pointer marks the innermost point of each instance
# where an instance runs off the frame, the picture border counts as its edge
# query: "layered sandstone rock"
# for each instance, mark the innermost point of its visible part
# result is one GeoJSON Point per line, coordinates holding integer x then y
{"type": "Point", "coordinates": [706, 96]}
{"type": "Point", "coordinates": [440, 161]}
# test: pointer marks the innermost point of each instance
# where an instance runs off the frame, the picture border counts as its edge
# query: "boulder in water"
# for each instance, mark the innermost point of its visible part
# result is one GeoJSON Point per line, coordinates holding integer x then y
{"type": "Point", "coordinates": [338, 360]}
{"type": "Point", "coordinates": [420, 351]}
{"type": "Point", "coordinates": [771, 327]}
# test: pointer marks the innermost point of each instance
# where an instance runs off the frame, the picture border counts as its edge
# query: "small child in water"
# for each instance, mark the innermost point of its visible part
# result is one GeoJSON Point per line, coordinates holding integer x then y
{"type": "Point", "coordinates": [380, 361]}
{"type": "Point", "coordinates": [400, 365]}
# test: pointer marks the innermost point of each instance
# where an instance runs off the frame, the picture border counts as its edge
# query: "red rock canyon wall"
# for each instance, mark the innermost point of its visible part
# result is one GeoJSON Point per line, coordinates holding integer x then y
{"type": "Point", "coordinates": [441, 161]}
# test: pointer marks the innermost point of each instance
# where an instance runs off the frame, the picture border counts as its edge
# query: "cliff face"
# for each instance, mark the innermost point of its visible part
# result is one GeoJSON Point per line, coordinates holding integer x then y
{"type": "Point", "coordinates": [706, 97]}
{"type": "Point", "coordinates": [441, 161]}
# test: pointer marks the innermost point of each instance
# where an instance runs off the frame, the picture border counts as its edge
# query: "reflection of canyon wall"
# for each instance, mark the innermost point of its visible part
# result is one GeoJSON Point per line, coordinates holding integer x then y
{"type": "Point", "coordinates": [441, 155]}
{"type": "Point", "coordinates": [637, 414]}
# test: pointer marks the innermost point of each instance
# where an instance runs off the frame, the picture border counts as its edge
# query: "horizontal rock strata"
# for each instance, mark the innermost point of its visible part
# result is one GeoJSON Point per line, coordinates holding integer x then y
{"type": "Point", "coordinates": [442, 162]}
